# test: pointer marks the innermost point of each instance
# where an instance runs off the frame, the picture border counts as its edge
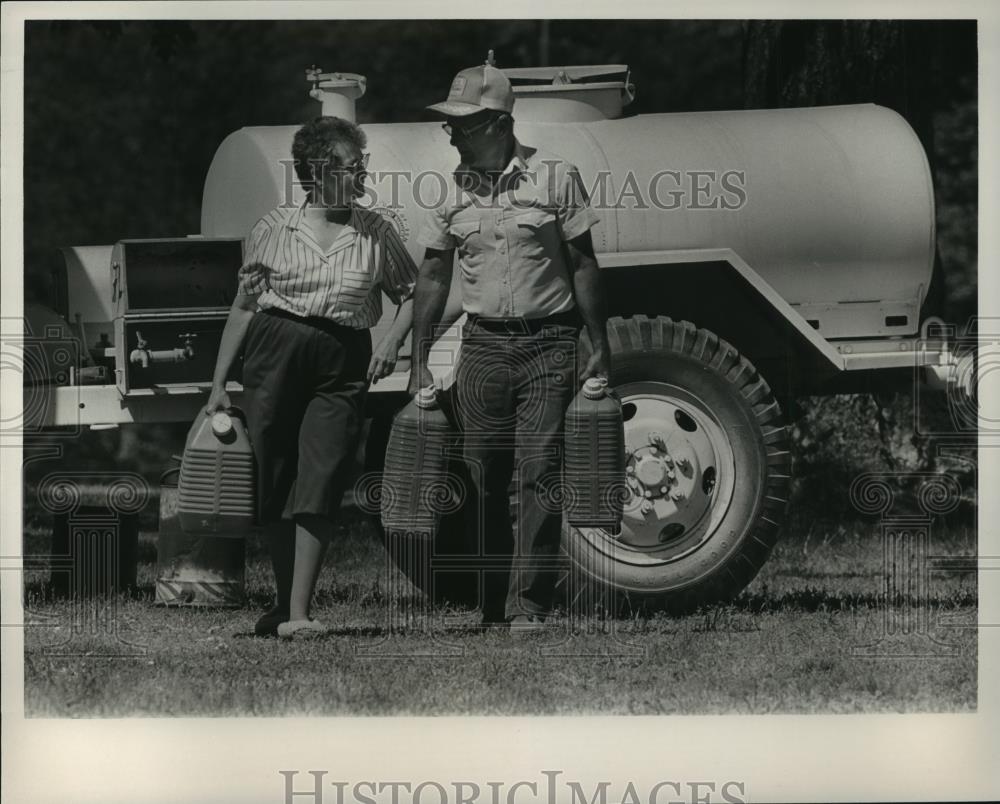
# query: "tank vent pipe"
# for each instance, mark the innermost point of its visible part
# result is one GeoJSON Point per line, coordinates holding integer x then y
{"type": "Point", "coordinates": [337, 92]}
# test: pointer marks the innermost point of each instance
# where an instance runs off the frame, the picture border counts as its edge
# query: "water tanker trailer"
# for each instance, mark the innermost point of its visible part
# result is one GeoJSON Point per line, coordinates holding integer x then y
{"type": "Point", "coordinates": [748, 258]}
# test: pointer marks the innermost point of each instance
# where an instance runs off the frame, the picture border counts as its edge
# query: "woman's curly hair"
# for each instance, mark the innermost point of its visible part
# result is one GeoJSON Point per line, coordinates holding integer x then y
{"type": "Point", "coordinates": [314, 143]}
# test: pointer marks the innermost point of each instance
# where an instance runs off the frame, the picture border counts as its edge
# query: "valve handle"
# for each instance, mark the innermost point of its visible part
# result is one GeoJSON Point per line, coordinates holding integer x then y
{"type": "Point", "coordinates": [629, 90]}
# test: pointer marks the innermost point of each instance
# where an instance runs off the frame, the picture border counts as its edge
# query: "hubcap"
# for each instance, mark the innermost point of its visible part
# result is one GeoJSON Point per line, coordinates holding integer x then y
{"type": "Point", "coordinates": [679, 472]}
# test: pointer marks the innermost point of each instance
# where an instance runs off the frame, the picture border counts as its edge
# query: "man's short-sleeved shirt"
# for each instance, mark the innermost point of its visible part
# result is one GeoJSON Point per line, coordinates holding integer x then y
{"type": "Point", "coordinates": [292, 272]}
{"type": "Point", "coordinates": [510, 242]}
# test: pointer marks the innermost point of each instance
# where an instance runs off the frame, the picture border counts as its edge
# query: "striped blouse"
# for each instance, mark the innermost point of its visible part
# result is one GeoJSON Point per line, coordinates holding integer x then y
{"type": "Point", "coordinates": [291, 271]}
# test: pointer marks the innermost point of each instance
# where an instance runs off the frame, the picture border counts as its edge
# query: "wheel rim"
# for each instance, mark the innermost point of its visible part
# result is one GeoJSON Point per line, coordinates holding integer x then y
{"type": "Point", "coordinates": [680, 472]}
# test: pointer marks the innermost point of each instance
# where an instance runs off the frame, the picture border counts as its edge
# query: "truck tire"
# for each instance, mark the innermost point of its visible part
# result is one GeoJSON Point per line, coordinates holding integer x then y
{"type": "Point", "coordinates": [708, 444]}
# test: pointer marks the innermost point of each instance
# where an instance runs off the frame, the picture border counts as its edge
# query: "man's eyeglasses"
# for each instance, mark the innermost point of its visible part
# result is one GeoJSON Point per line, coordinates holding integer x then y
{"type": "Point", "coordinates": [463, 132]}
{"type": "Point", "coordinates": [354, 167]}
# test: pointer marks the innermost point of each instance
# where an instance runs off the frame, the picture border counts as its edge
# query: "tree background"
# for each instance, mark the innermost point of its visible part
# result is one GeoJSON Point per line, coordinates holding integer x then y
{"type": "Point", "coordinates": [122, 120]}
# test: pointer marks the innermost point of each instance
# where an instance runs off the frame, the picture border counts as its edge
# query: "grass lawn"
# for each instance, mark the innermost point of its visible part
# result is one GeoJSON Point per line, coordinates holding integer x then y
{"type": "Point", "coordinates": [788, 644]}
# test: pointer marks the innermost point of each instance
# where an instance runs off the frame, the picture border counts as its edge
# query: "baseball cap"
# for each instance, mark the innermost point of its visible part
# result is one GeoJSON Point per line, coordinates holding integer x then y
{"type": "Point", "coordinates": [475, 89]}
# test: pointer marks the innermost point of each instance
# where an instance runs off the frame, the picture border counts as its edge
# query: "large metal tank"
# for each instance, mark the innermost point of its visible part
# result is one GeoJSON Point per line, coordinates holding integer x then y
{"type": "Point", "coordinates": [830, 205]}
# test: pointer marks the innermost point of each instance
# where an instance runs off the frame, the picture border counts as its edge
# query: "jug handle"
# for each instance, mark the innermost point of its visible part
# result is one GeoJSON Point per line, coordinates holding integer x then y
{"type": "Point", "coordinates": [238, 412]}
{"type": "Point", "coordinates": [166, 473]}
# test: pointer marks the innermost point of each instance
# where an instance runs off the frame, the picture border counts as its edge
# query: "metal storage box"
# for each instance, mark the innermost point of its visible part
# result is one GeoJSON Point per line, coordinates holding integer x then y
{"type": "Point", "coordinates": [170, 299]}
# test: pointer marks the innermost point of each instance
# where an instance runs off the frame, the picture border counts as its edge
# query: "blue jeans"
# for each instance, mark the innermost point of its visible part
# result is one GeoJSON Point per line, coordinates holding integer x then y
{"type": "Point", "coordinates": [512, 389]}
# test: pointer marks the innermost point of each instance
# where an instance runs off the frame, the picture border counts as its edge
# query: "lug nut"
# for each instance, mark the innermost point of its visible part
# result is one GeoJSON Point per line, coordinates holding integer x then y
{"type": "Point", "coordinates": [630, 469]}
{"type": "Point", "coordinates": [647, 494]}
{"type": "Point", "coordinates": [671, 474]}
{"type": "Point", "coordinates": [663, 489]}
{"type": "Point", "coordinates": [646, 507]}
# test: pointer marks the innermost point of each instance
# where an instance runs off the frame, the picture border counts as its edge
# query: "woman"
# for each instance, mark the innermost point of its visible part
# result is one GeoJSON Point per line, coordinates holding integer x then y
{"type": "Point", "coordinates": [309, 289]}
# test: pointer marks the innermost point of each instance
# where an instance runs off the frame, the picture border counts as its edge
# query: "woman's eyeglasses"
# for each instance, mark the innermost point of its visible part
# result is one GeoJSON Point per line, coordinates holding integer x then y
{"type": "Point", "coordinates": [354, 167]}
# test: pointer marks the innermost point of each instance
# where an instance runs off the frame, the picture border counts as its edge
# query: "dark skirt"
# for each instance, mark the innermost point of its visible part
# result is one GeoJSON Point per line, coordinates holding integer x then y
{"type": "Point", "coordinates": [304, 391]}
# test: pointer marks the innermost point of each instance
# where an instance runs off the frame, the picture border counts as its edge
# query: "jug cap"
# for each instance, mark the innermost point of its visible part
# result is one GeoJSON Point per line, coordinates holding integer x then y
{"type": "Point", "coordinates": [426, 397]}
{"type": "Point", "coordinates": [222, 423]}
{"type": "Point", "coordinates": [595, 387]}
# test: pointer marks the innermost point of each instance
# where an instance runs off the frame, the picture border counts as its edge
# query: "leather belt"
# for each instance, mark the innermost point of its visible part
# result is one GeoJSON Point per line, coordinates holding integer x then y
{"type": "Point", "coordinates": [526, 326]}
{"type": "Point", "coordinates": [318, 322]}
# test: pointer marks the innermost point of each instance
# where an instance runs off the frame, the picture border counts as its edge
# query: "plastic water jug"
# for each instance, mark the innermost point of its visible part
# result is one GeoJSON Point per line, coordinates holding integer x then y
{"type": "Point", "coordinates": [416, 487]}
{"type": "Point", "coordinates": [594, 458]}
{"type": "Point", "coordinates": [194, 569]}
{"type": "Point", "coordinates": [216, 486]}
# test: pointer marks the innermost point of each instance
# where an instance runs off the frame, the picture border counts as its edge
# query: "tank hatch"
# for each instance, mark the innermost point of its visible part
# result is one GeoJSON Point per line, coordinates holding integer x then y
{"type": "Point", "coordinates": [570, 94]}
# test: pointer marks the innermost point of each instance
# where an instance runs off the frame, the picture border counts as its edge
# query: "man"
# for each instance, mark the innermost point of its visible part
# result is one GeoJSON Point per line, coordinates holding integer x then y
{"type": "Point", "coordinates": [520, 221]}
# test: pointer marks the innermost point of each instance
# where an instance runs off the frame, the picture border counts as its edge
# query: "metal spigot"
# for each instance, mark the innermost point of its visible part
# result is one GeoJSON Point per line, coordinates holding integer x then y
{"type": "Point", "coordinates": [140, 354]}
{"type": "Point", "coordinates": [188, 350]}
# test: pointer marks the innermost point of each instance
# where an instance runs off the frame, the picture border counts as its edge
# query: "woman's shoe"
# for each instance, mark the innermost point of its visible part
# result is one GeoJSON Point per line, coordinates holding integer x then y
{"type": "Point", "coordinates": [301, 629]}
{"type": "Point", "coordinates": [268, 623]}
{"type": "Point", "coordinates": [526, 624]}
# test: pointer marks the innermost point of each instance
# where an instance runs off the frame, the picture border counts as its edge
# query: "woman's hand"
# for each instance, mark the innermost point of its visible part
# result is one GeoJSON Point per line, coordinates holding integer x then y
{"type": "Point", "coordinates": [420, 377]}
{"type": "Point", "coordinates": [218, 400]}
{"type": "Point", "coordinates": [383, 361]}
{"type": "Point", "coordinates": [233, 334]}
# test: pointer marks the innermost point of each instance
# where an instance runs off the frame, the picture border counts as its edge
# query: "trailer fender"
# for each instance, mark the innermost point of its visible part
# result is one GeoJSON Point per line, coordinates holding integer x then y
{"type": "Point", "coordinates": [717, 289]}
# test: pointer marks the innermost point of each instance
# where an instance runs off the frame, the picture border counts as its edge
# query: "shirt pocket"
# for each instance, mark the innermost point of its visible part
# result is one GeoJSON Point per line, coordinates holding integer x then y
{"type": "Point", "coordinates": [536, 232]}
{"type": "Point", "coordinates": [355, 283]}
{"type": "Point", "coordinates": [463, 230]}
{"type": "Point", "coordinates": [471, 259]}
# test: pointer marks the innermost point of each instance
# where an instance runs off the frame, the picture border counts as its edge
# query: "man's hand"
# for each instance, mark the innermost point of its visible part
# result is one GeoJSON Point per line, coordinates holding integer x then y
{"type": "Point", "coordinates": [218, 400]}
{"type": "Point", "coordinates": [420, 377]}
{"type": "Point", "coordinates": [598, 365]}
{"type": "Point", "coordinates": [429, 300]}
{"type": "Point", "coordinates": [384, 358]}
